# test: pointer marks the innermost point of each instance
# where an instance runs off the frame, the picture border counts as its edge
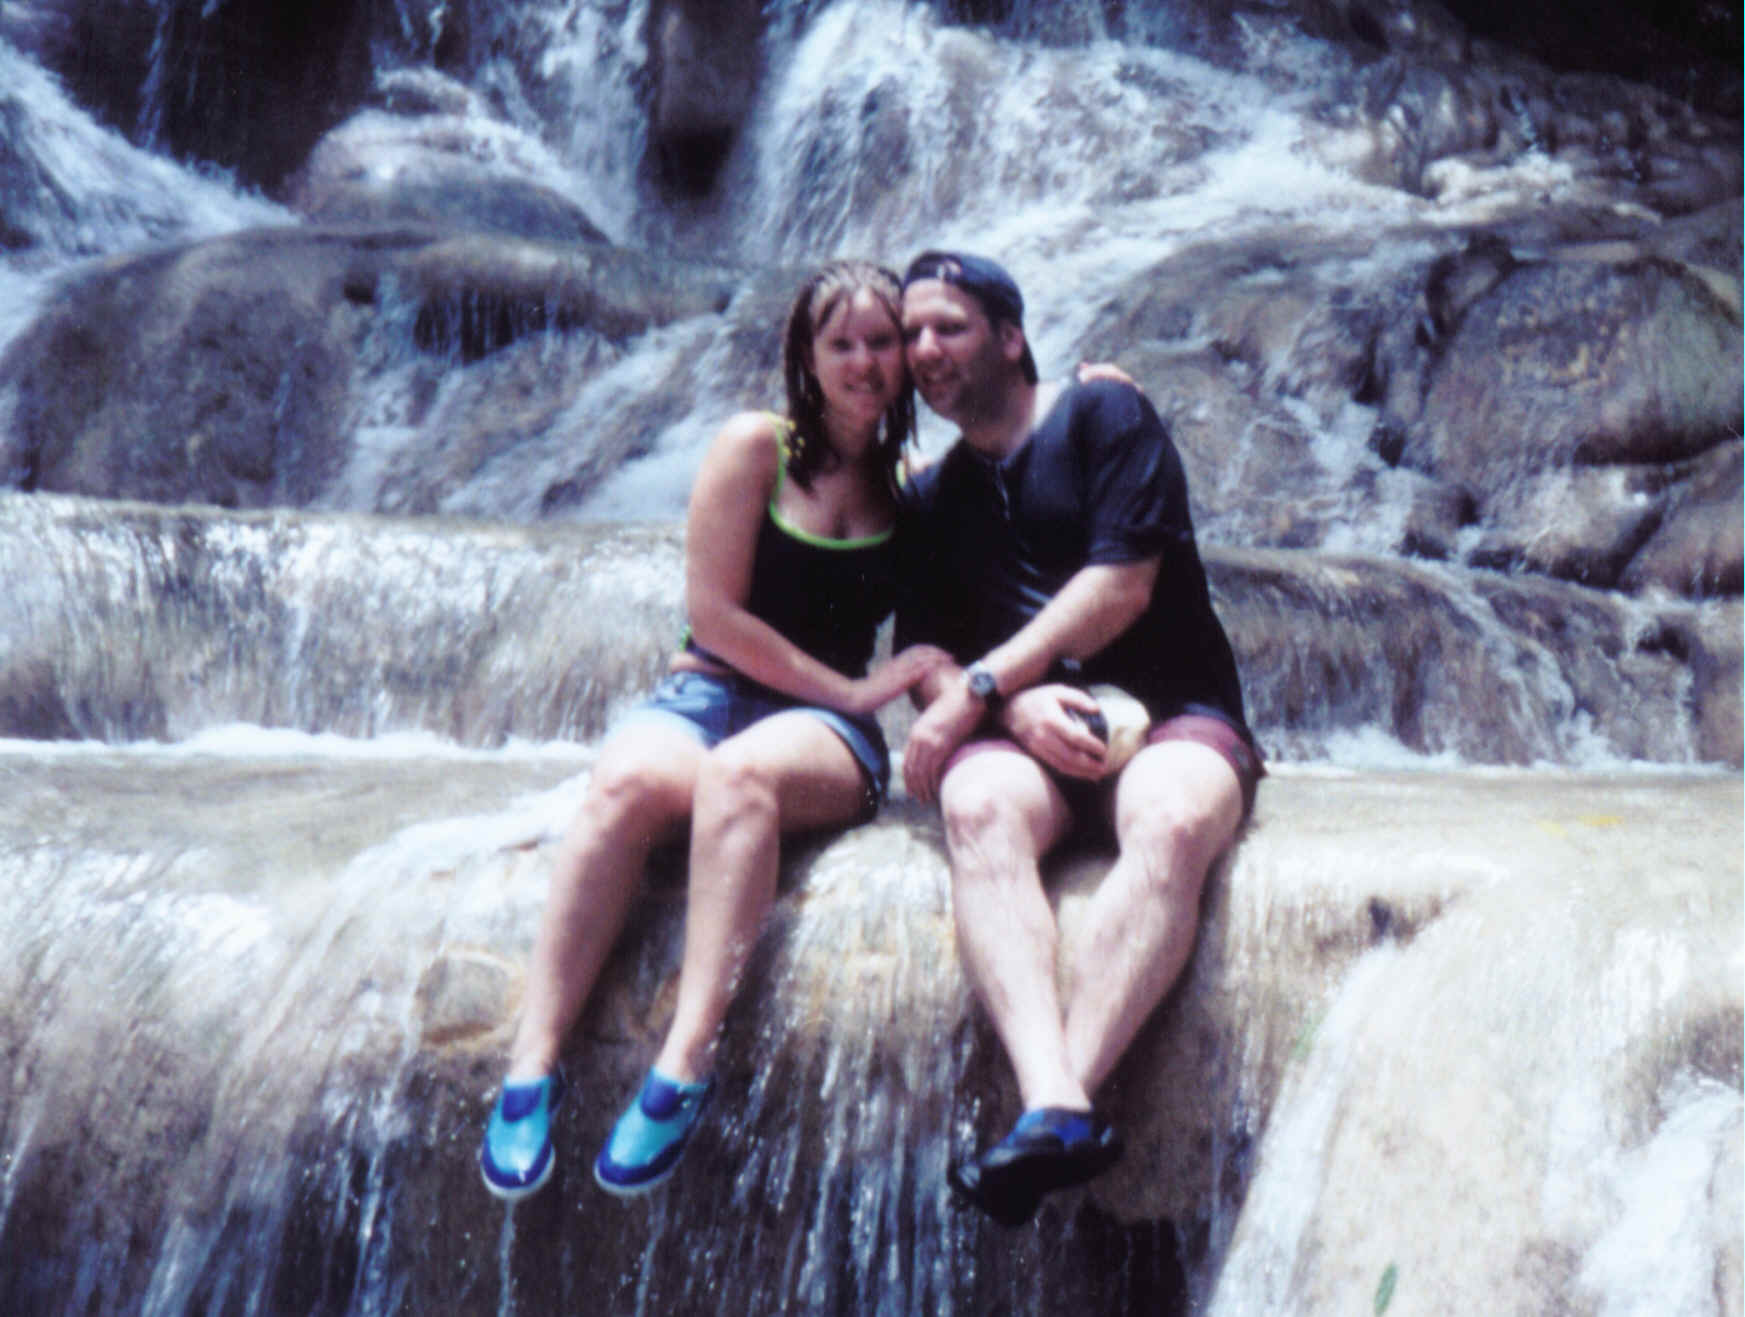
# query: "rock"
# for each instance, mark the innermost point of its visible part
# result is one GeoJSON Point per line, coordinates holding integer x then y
{"type": "Point", "coordinates": [460, 997]}
{"type": "Point", "coordinates": [1437, 515]}
{"type": "Point", "coordinates": [1502, 1136]}
{"type": "Point", "coordinates": [31, 702]}
{"type": "Point", "coordinates": [1493, 668]}
{"type": "Point", "coordinates": [1687, 49]}
{"type": "Point", "coordinates": [478, 293]}
{"type": "Point", "coordinates": [1500, 429]}
{"type": "Point", "coordinates": [1714, 639]}
{"type": "Point", "coordinates": [1708, 243]}
{"type": "Point", "coordinates": [1458, 279]}
{"type": "Point", "coordinates": [1424, 112]}
{"type": "Point", "coordinates": [454, 170]}
{"type": "Point", "coordinates": [358, 627]}
{"type": "Point", "coordinates": [1516, 987]}
{"type": "Point", "coordinates": [1248, 463]}
{"type": "Point", "coordinates": [1502, 670]}
{"type": "Point", "coordinates": [1697, 549]}
{"type": "Point", "coordinates": [249, 86]}
{"type": "Point", "coordinates": [704, 63]}
{"type": "Point", "coordinates": [235, 371]}
{"type": "Point", "coordinates": [218, 372]}
{"type": "Point", "coordinates": [1575, 523]}
{"type": "Point", "coordinates": [1585, 362]}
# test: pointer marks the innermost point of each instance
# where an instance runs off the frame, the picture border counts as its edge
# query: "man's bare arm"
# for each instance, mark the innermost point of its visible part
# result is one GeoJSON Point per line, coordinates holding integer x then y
{"type": "Point", "coordinates": [1095, 606]}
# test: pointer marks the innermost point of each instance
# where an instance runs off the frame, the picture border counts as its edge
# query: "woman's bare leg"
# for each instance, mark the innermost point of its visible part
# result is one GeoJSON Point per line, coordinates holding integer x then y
{"type": "Point", "coordinates": [785, 773]}
{"type": "Point", "coordinates": [640, 794]}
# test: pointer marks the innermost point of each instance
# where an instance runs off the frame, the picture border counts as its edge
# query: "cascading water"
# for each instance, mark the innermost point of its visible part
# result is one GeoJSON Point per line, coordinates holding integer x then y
{"type": "Point", "coordinates": [270, 873]}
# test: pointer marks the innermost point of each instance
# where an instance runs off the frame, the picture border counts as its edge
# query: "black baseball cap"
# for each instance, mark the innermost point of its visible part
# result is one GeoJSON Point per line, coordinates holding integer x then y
{"type": "Point", "coordinates": [984, 280]}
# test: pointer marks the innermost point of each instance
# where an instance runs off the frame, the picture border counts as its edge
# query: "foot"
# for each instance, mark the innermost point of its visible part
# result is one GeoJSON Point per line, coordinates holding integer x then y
{"type": "Point", "coordinates": [651, 1135]}
{"type": "Point", "coordinates": [1049, 1148]}
{"type": "Point", "coordinates": [516, 1155]}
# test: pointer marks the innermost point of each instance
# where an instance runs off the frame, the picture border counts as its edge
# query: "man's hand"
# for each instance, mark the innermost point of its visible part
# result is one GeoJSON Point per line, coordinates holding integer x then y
{"type": "Point", "coordinates": [1043, 720]}
{"type": "Point", "coordinates": [944, 725]}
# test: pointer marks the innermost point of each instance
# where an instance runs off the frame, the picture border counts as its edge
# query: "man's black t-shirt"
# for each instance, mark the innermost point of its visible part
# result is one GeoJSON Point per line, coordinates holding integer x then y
{"type": "Point", "coordinates": [985, 545]}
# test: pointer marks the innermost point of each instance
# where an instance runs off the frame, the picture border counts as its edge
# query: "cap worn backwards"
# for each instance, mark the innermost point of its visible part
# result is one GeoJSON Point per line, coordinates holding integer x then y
{"type": "Point", "coordinates": [984, 280]}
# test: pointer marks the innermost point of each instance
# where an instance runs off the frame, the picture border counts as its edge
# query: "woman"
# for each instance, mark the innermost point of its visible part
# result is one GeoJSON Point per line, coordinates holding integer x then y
{"type": "Point", "coordinates": [764, 724]}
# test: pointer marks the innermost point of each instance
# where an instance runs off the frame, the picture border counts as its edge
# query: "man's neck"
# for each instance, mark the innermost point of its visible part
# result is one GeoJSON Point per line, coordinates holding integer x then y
{"type": "Point", "coordinates": [1002, 429]}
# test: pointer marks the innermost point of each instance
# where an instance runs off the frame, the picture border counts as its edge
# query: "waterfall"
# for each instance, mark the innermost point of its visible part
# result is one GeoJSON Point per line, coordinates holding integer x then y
{"type": "Point", "coordinates": [1527, 1051]}
{"type": "Point", "coordinates": [122, 627]}
{"type": "Point", "coordinates": [282, 786]}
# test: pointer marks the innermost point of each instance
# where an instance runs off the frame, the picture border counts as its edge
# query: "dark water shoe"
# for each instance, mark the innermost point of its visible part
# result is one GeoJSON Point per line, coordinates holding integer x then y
{"type": "Point", "coordinates": [1049, 1148]}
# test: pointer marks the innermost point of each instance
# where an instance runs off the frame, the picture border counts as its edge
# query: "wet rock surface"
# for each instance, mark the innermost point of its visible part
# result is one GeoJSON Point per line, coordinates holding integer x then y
{"type": "Point", "coordinates": [1520, 990]}
{"type": "Point", "coordinates": [235, 371]}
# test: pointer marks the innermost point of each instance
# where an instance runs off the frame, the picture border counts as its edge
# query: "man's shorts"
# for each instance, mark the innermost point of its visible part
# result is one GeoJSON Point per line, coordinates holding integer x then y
{"type": "Point", "coordinates": [1215, 734]}
{"type": "Point", "coordinates": [712, 708]}
{"type": "Point", "coordinates": [1093, 803]}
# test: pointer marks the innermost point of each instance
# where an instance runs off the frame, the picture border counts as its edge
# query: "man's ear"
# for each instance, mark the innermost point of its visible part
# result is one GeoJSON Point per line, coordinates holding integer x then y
{"type": "Point", "coordinates": [1011, 341]}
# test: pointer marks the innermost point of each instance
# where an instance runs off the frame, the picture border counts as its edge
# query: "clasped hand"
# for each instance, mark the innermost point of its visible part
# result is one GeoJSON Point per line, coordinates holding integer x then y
{"type": "Point", "coordinates": [1041, 719]}
{"type": "Point", "coordinates": [1049, 722]}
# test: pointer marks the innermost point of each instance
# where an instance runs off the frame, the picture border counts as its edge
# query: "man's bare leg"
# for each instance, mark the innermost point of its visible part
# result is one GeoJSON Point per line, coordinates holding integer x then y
{"type": "Point", "coordinates": [1001, 814]}
{"type": "Point", "coordinates": [1178, 806]}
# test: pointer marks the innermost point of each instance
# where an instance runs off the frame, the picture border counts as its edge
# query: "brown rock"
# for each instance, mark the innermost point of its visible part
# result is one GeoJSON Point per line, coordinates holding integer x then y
{"type": "Point", "coordinates": [1581, 362]}
{"type": "Point", "coordinates": [1698, 547]}
{"type": "Point", "coordinates": [705, 64]}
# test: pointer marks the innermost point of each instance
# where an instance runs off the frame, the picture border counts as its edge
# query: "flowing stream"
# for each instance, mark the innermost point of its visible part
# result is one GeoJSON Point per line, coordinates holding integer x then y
{"type": "Point", "coordinates": [271, 860]}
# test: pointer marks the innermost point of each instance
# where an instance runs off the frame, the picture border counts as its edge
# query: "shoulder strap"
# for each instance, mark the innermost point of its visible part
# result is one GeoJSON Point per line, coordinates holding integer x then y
{"type": "Point", "coordinates": [784, 441]}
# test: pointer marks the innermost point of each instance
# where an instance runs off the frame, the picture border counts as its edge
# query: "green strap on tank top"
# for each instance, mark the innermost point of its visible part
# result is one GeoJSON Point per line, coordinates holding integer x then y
{"type": "Point", "coordinates": [785, 429]}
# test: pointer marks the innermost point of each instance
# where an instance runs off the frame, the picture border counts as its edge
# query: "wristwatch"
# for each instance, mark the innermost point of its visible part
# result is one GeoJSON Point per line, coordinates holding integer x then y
{"type": "Point", "coordinates": [983, 686]}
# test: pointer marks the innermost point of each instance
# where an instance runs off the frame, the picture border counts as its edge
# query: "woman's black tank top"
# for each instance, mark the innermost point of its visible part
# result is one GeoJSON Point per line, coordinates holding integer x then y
{"type": "Point", "coordinates": [827, 596]}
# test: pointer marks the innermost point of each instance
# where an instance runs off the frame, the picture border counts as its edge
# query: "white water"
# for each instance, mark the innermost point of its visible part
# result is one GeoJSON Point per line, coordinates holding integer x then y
{"type": "Point", "coordinates": [254, 911]}
{"type": "Point", "coordinates": [95, 193]}
{"type": "Point", "coordinates": [878, 131]}
{"type": "Point", "coordinates": [276, 912]}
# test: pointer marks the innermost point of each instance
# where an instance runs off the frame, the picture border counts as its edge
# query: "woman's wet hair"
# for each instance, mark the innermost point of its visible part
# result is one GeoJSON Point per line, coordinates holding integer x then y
{"type": "Point", "coordinates": [830, 287]}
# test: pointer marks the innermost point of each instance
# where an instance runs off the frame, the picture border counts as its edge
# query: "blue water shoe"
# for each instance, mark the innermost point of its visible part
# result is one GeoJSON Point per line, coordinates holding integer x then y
{"type": "Point", "coordinates": [516, 1155]}
{"type": "Point", "coordinates": [651, 1135]}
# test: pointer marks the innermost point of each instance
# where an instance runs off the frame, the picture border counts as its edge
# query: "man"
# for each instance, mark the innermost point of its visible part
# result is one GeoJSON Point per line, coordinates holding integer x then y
{"type": "Point", "coordinates": [1051, 549]}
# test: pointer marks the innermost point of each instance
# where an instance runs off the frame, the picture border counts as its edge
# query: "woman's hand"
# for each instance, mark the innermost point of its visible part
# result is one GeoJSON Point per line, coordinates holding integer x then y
{"type": "Point", "coordinates": [898, 674]}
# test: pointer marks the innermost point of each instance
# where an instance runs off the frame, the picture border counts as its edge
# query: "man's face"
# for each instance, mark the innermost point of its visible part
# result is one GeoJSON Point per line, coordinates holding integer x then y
{"type": "Point", "coordinates": [958, 359]}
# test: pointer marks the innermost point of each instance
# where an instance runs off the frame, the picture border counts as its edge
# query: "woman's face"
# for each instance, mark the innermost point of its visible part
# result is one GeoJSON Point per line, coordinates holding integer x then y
{"type": "Point", "coordinates": [857, 355]}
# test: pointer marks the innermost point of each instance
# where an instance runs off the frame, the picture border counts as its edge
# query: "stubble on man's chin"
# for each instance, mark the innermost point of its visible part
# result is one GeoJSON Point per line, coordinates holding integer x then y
{"type": "Point", "coordinates": [938, 410]}
{"type": "Point", "coordinates": [963, 405]}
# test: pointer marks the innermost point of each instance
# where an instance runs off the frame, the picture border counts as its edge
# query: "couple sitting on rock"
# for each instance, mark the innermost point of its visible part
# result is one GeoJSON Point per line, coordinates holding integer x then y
{"type": "Point", "coordinates": [1048, 550]}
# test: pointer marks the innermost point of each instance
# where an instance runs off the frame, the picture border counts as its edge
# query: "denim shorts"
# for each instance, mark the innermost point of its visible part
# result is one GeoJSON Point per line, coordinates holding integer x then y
{"type": "Point", "coordinates": [714, 707]}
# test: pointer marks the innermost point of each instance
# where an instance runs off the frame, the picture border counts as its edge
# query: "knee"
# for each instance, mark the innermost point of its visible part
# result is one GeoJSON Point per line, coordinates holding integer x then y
{"type": "Point", "coordinates": [1172, 843]}
{"type": "Point", "coordinates": [735, 785]}
{"type": "Point", "coordinates": [970, 808]}
{"type": "Point", "coordinates": [627, 798]}
{"type": "Point", "coordinates": [986, 831]}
